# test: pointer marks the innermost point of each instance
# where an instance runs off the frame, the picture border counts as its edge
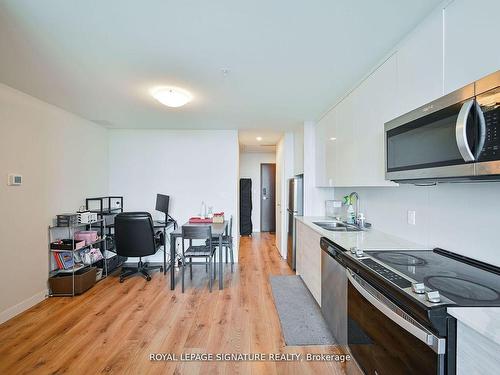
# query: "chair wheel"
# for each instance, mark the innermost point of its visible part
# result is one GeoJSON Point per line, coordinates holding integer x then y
{"type": "Point", "coordinates": [148, 278]}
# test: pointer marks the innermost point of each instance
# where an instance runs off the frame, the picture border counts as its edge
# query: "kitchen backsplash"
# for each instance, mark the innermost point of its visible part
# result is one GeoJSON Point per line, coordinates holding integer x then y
{"type": "Point", "coordinates": [463, 218]}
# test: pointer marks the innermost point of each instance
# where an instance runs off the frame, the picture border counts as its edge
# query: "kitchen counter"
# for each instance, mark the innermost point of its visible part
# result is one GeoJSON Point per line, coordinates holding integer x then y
{"type": "Point", "coordinates": [478, 339]}
{"type": "Point", "coordinates": [485, 321]}
{"type": "Point", "coordinates": [370, 239]}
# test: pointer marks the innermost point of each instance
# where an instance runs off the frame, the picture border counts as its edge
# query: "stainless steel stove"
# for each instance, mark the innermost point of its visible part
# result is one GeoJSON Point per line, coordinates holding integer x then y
{"type": "Point", "coordinates": [397, 302]}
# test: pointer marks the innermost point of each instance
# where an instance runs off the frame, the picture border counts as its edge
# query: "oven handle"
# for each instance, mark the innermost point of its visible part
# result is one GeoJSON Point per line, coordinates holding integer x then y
{"type": "Point", "coordinates": [437, 344]}
{"type": "Point", "coordinates": [461, 131]}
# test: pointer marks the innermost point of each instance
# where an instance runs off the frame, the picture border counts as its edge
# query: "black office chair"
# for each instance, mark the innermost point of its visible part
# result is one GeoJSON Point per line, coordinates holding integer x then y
{"type": "Point", "coordinates": [135, 237]}
{"type": "Point", "coordinates": [207, 251]}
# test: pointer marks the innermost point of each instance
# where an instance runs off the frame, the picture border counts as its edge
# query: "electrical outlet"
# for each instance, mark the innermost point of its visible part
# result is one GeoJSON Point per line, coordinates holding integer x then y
{"type": "Point", "coordinates": [411, 217]}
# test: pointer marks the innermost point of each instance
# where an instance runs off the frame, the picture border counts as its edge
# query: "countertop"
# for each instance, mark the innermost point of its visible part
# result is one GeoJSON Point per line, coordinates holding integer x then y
{"type": "Point", "coordinates": [370, 239]}
{"type": "Point", "coordinates": [486, 321]}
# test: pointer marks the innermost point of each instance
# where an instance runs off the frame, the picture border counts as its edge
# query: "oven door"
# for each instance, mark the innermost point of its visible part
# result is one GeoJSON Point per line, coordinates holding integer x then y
{"type": "Point", "coordinates": [386, 341]}
{"type": "Point", "coordinates": [436, 141]}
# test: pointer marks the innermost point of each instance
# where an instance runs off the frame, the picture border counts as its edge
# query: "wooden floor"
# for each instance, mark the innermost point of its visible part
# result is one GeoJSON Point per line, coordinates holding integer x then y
{"type": "Point", "coordinates": [113, 328]}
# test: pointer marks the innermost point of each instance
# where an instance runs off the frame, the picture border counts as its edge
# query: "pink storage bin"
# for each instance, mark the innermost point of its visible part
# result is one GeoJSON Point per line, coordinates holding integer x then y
{"type": "Point", "coordinates": [88, 236]}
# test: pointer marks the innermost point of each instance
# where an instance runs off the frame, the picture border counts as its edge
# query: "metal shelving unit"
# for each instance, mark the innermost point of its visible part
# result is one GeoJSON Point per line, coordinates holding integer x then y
{"type": "Point", "coordinates": [71, 235]}
{"type": "Point", "coordinates": [106, 208]}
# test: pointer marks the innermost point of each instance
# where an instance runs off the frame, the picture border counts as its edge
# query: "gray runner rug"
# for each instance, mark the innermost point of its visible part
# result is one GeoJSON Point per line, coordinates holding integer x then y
{"type": "Point", "coordinates": [300, 315]}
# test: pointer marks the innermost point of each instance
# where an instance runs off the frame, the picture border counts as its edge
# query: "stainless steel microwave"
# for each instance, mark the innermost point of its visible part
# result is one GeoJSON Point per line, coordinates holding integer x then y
{"type": "Point", "coordinates": [454, 138]}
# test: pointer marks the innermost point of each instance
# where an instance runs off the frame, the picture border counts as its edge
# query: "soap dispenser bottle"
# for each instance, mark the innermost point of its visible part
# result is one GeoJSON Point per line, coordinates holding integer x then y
{"type": "Point", "coordinates": [351, 215]}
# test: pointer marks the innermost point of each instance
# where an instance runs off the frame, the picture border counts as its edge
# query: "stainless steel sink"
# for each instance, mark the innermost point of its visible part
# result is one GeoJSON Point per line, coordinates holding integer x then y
{"type": "Point", "coordinates": [336, 226]}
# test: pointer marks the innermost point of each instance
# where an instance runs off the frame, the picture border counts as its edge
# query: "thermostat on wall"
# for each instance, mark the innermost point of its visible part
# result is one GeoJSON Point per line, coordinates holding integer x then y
{"type": "Point", "coordinates": [15, 180]}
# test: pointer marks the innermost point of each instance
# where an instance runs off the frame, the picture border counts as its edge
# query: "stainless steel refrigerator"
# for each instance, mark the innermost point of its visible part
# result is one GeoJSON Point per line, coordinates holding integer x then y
{"type": "Point", "coordinates": [295, 208]}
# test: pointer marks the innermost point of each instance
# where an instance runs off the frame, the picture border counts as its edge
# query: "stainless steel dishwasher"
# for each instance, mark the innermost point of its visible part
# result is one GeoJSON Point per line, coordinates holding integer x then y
{"type": "Point", "coordinates": [333, 291]}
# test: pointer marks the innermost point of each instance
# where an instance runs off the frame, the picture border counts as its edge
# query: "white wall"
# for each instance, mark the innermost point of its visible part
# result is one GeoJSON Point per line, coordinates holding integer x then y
{"type": "Point", "coordinates": [284, 171]}
{"type": "Point", "coordinates": [190, 166]}
{"type": "Point", "coordinates": [250, 168]}
{"type": "Point", "coordinates": [63, 160]}
{"type": "Point", "coordinates": [298, 150]}
{"type": "Point", "coordinates": [462, 218]}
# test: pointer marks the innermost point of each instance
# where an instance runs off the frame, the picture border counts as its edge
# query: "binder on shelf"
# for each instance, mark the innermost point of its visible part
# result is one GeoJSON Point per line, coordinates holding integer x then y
{"type": "Point", "coordinates": [66, 258]}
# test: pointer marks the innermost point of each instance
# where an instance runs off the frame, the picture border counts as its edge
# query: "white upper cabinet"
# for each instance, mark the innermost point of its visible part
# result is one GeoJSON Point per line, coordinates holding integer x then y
{"type": "Point", "coordinates": [374, 104]}
{"type": "Point", "coordinates": [471, 51]}
{"type": "Point", "coordinates": [420, 64]}
{"type": "Point", "coordinates": [320, 149]}
{"type": "Point", "coordinates": [325, 149]}
{"type": "Point", "coordinates": [350, 137]}
{"type": "Point", "coordinates": [330, 141]}
{"type": "Point", "coordinates": [449, 49]}
{"type": "Point", "coordinates": [345, 142]}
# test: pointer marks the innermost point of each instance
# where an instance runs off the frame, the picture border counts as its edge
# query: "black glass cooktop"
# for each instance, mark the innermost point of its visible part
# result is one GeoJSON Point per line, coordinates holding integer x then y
{"type": "Point", "coordinates": [463, 280]}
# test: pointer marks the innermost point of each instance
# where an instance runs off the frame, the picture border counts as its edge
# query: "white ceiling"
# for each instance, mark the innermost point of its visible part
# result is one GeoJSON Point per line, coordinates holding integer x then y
{"type": "Point", "coordinates": [288, 60]}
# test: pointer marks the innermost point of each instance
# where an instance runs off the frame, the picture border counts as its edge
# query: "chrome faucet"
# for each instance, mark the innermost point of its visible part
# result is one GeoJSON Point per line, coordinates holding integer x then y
{"type": "Point", "coordinates": [354, 194]}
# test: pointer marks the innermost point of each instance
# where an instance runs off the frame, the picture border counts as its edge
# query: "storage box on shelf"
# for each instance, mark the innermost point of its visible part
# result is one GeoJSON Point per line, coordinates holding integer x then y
{"type": "Point", "coordinates": [73, 284]}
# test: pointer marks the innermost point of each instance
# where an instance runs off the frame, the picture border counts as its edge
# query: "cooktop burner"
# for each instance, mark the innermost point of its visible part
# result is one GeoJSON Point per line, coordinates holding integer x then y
{"type": "Point", "coordinates": [464, 281]}
{"type": "Point", "coordinates": [395, 257]}
{"type": "Point", "coordinates": [461, 288]}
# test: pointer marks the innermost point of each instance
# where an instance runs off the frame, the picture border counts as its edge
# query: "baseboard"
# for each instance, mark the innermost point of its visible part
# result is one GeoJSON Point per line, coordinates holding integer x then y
{"type": "Point", "coordinates": [22, 306]}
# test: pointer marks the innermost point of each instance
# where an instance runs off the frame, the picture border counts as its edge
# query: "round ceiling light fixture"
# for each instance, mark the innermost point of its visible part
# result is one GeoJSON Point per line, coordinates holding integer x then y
{"type": "Point", "coordinates": [259, 139]}
{"type": "Point", "coordinates": [172, 96]}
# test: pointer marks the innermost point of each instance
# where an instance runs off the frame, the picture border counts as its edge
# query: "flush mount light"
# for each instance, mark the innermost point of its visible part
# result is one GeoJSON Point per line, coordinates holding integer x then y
{"type": "Point", "coordinates": [171, 96]}
{"type": "Point", "coordinates": [332, 138]}
{"type": "Point", "coordinates": [259, 139]}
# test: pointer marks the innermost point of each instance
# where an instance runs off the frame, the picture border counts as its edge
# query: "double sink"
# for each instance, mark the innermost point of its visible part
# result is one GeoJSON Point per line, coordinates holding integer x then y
{"type": "Point", "coordinates": [337, 226]}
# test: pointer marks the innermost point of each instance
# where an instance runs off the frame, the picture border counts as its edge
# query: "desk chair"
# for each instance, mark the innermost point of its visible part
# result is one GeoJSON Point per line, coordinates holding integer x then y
{"type": "Point", "coordinates": [135, 237]}
{"type": "Point", "coordinates": [207, 251]}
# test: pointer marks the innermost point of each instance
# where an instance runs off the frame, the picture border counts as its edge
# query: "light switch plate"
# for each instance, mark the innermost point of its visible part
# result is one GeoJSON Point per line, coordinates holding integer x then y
{"type": "Point", "coordinates": [14, 179]}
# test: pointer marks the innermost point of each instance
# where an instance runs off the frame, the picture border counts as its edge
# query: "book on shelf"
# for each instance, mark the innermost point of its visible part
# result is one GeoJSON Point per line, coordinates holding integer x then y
{"type": "Point", "coordinates": [64, 259]}
{"type": "Point", "coordinates": [58, 261]}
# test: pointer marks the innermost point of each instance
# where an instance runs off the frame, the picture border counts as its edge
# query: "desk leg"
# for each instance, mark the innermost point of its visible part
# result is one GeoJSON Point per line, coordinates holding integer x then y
{"type": "Point", "coordinates": [221, 276]}
{"type": "Point", "coordinates": [164, 250]}
{"type": "Point", "coordinates": [172, 262]}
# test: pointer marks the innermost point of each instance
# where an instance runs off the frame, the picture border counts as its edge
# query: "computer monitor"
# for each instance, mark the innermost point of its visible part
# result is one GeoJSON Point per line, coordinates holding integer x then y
{"type": "Point", "coordinates": [162, 204]}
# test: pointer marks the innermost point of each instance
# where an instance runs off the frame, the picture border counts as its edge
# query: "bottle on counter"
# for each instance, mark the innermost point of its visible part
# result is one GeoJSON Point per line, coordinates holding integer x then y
{"type": "Point", "coordinates": [350, 214]}
{"type": "Point", "coordinates": [203, 211]}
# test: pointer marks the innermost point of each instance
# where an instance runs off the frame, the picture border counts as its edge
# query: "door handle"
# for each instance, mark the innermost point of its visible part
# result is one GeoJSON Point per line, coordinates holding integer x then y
{"type": "Point", "coordinates": [482, 131]}
{"type": "Point", "coordinates": [461, 131]}
{"type": "Point", "coordinates": [437, 344]}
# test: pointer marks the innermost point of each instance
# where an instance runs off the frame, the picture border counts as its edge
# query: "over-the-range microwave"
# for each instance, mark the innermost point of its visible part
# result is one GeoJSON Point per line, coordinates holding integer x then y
{"type": "Point", "coordinates": [454, 138]}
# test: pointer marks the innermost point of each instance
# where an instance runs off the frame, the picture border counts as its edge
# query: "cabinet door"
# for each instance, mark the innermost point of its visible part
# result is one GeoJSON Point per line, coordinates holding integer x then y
{"type": "Point", "coordinates": [471, 31]}
{"type": "Point", "coordinates": [308, 263]}
{"type": "Point", "coordinates": [361, 118]}
{"type": "Point", "coordinates": [420, 65]}
{"type": "Point", "coordinates": [345, 143]}
{"type": "Point", "coordinates": [320, 149]}
{"type": "Point", "coordinates": [330, 142]}
{"type": "Point", "coordinates": [375, 104]}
